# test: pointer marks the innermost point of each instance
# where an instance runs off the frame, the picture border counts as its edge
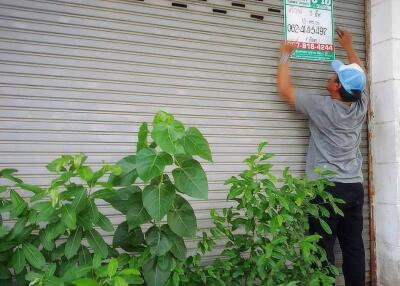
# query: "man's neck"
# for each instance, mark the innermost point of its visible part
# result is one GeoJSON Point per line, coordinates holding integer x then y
{"type": "Point", "coordinates": [337, 96]}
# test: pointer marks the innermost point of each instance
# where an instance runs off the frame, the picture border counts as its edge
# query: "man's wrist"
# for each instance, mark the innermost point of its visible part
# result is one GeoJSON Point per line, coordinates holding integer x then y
{"type": "Point", "coordinates": [349, 49]}
{"type": "Point", "coordinates": [284, 58]}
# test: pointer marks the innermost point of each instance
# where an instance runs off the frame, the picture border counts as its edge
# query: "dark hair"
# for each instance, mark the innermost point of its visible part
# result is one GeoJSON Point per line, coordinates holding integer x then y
{"type": "Point", "coordinates": [347, 96]}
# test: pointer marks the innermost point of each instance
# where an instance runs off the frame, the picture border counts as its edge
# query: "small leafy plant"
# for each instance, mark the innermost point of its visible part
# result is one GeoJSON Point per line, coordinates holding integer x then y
{"type": "Point", "coordinates": [266, 232]}
{"type": "Point", "coordinates": [54, 237]}
{"type": "Point", "coordinates": [162, 245]}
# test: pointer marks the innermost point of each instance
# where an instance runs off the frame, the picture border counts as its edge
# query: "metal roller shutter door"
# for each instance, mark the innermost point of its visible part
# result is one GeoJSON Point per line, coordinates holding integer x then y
{"type": "Point", "coordinates": [79, 76]}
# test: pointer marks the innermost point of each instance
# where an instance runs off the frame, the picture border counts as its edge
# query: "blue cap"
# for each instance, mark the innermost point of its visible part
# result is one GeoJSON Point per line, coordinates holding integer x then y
{"type": "Point", "coordinates": [352, 77]}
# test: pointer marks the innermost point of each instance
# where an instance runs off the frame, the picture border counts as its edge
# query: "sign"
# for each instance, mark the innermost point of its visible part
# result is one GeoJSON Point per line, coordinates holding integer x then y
{"type": "Point", "coordinates": [310, 24]}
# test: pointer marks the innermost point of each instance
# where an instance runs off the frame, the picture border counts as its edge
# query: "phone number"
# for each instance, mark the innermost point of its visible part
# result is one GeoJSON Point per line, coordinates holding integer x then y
{"type": "Point", "coordinates": [312, 46]}
{"type": "Point", "coordinates": [312, 30]}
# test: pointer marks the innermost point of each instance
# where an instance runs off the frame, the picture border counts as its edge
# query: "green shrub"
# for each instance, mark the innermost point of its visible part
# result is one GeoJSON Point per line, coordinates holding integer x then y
{"type": "Point", "coordinates": [266, 232]}
{"type": "Point", "coordinates": [54, 238]}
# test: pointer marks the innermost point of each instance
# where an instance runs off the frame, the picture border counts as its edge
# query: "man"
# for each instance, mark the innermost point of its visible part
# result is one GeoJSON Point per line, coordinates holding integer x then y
{"type": "Point", "coordinates": [335, 123]}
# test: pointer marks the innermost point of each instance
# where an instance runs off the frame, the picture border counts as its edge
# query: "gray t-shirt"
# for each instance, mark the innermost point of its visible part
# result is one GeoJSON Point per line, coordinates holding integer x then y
{"type": "Point", "coordinates": [335, 136]}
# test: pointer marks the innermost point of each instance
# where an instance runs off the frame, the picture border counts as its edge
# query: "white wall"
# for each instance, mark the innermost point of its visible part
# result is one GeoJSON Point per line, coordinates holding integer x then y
{"type": "Point", "coordinates": [385, 73]}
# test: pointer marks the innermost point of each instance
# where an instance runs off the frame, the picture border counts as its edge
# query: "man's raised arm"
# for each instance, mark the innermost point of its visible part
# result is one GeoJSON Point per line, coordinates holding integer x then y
{"type": "Point", "coordinates": [284, 85]}
{"type": "Point", "coordinates": [346, 41]}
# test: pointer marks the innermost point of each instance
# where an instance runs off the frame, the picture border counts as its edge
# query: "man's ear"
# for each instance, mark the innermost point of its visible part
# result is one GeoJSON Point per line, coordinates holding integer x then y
{"type": "Point", "coordinates": [337, 86]}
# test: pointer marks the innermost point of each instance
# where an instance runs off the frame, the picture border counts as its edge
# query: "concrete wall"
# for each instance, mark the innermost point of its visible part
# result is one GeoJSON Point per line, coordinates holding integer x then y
{"type": "Point", "coordinates": [385, 75]}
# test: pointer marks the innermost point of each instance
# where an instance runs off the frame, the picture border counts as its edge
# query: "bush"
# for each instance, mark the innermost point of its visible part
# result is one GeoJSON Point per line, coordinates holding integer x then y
{"type": "Point", "coordinates": [54, 239]}
{"type": "Point", "coordinates": [266, 232]}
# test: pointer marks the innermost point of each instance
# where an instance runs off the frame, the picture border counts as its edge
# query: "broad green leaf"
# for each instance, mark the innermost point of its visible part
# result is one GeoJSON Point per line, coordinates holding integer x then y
{"type": "Point", "coordinates": [325, 226]}
{"type": "Point", "coordinates": [105, 223]}
{"type": "Point", "coordinates": [85, 282]}
{"type": "Point", "coordinates": [191, 179]}
{"type": "Point", "coordinates": [75, 272]}
{"type": "Point", "coordinates": [86, 173]}
{"type": "Point", "coordinates": [280, 219]}
{"type": "Point", "coordinates": [153, 274]}
{"type": "Point", "coordinates": [68, 216]}
{"type": "Point", "coordinates": [137, 213]}
{"type": "Point", "coordinates": [84, 257]}
{"type": "Point", "coordinates": [167, 135]}
{"type": "Point", "coordinates": [56, 165]}
{"type": "Point", "coordinates": [129, 173]}
{"type": "Point", "coordinates": [33, 256]}
{"type": "Point", "coordinates": [8, 174]}
{"type": "Point", "coordinates": [93, 211]}
{"type": "Point", "coordinates": [96, 242]}
{"type": "Point", "coordinates": [46, 240]}
{"type": "Point", "coordinates": [54, 197]}
{"type": "Point", "coordinates": [337, 210]}
{"type": "Point", "coordinates": [78, 160]}
{"type": "Point", "coordinates": [165, 262]}
{"type": "Point", "coordinates": [162, 116]}
{"type": "Point", "coordinates": [305, 249]}
{"type": "Point", "coordinates": [158, 199]}
{"type": "Point", "coordinates": [151, 164]}
{"type": "Point", "coordinates": [58, 252]}
{"type": "Point", "coordinates": [129, 271]}
{"type": "Point", "coordinates": [7, 171]}
{"type": "Point", "coordinates": [119, 281]}
{"type": "Point", "coordinates": [194, 143]}
{"type": "Point", "coordinates": [127, 239]}
{"type": "Point", "coordinates": [52, 281]}
{"type": "Point", "coordinates": [18, 228]}
{"type": "Point", "coordinates": [45, 211]}
{"type": "Point", "coordinates": [55, 230]}
{"type": "Point", "coordinates": [32, 188]}
{"type": "Point", "coordinates": [123, 260]}
{"type": "Point", "coordinates": [268, 250]}
{"type": "Point", "coordinates": [181, 218]}
{"type": "Point", "coordinates": [96, 260]}
{"type": "Point", "coordinates": [312, 238]}
{"type": "Point", "coordinates": [134, 280]}
{"type": "Point", "coordinates": [18, 261]}
{"type": "Point", "coordinates": [114, 169]}
{"type": "Point", "coordinates": [73, 243]}
{"type": "Point", "coordinates": [178, 249]}
{"type": "Point", "coordinates": [84, 219]}
{"type": "Point", "coordinates": [18, 204]}
{"type": "Point", "coordinates": [80, 201]}
{"type": "Point", "coordinates": [30, 276]}
{"type": "Point", "coordinates": [103, 194]}
{"type": "Point", "coordinates": [142, 137]}
{"type": "Point", "coordinates": [112, 267]}
{"type": "Point", "coordinates": [157, 241]}
{"type": "Point", "coordinates": [124, 198]}
{"type": "Point", "coordinates": [261, 147]}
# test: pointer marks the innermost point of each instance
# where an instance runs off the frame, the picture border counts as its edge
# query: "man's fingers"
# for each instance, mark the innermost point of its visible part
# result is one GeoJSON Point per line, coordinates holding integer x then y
{"type": "Point", "coordinates": [339, 32]}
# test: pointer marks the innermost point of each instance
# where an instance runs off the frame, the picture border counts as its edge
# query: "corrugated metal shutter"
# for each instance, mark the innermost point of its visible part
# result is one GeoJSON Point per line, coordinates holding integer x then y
{"type": "Point", "coordinates": [79, 76]}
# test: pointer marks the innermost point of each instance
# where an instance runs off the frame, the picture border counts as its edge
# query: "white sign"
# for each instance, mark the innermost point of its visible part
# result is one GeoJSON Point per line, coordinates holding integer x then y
{"type": "Point", "coordinates": [310, 24]}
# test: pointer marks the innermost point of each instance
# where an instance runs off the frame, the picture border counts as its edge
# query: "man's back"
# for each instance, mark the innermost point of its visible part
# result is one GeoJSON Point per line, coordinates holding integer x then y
{"type": "Point", "coordinates": [335, 136]}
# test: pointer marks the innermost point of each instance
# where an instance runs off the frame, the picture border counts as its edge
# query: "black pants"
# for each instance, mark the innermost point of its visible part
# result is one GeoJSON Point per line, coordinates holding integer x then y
{"type": "Point", "coordinates": [348, 229]}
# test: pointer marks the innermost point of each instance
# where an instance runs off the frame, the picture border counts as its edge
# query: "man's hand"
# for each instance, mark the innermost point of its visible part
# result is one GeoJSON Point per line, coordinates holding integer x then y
{"type": "Point", "coordinates": [345, 38]}
{"type": "Point", "coordinates": [288, 47]}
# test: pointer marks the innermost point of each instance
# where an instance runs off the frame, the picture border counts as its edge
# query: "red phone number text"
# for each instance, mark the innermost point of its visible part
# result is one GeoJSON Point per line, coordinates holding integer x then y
{"type": "Point", "coordinates": [316, 47]}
